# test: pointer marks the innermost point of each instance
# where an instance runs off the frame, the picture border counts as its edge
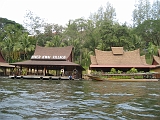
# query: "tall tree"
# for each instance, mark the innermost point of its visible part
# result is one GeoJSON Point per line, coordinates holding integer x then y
{"type": "Point", "coordinates": [104, 13]}
{"type": "Point", "coordinates": [11, 33]}
{"type": "Point", "coordinates": [98, 27]}
{"type": "Point", "coordinates": [141, 12]}
{"type": "Point", "coordinates": [51, 32]}
{"type": "Point", "coordinates": [149, 31]}
{"type": "Point", "coordinates": [56, 41]}
{"type": "Point", "coordinates": [155, 10]}
{"type": "Point", "coordinates": [33, 23]}
{"type": "Point", "coordinates": [5, 23]}
{"type": "Point", "coordinates": [7, 48]}
{"type": "Point", "coordinates": [74, 35]}
{"type": "Point", "coordinates": [92, 37]}
{"type": "Point", "coordinates": [86, 57]}
{"type": "Point", "coordinates": [25, 45]}
{"type": "Point", "coordinates": [152, 49]}
{"type": "Point", "coordinates": [146, 18]}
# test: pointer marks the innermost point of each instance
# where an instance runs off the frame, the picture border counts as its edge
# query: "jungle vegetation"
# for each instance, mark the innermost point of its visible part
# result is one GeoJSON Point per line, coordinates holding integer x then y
{"type": "Point", "coordinates": [100, 31]}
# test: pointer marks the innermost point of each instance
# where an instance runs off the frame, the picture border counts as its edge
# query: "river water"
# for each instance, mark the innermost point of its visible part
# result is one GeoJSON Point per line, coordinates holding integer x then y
{"type": "Point", "coordinates": [78, 100]}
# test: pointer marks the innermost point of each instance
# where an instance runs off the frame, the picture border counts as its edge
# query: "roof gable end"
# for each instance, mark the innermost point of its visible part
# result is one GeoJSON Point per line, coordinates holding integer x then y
{"type": "Point", "coordinates": [52, 53]}
{"type": "Point", "coordinates": [117, 50]}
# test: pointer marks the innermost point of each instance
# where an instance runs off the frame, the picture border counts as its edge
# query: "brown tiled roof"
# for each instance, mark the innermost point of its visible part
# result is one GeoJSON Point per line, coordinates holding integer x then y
{"type": "Point", "coordinates": [47, 63]}
{"type": "Point", "coordinates": [128, 58]}
{"type": "Point", "coordinates": [93, 60]}
{"type": "Point", "coordinates": [157, 59]}
{"type": "Point", "coordinates": [117, 50]}
{"type": "Point", "coordinates": [52, 51]}
{"type": "Point", "coordinates": [3, 64]}
{"type": "Point", "coordinates": [143, 58]}
{"type": "Point", "coordinates": [49, 51]}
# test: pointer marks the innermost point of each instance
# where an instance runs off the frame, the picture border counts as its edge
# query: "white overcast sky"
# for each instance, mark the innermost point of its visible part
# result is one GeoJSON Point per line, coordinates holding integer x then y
{"type": "Point", "coordinates": [61, 11]}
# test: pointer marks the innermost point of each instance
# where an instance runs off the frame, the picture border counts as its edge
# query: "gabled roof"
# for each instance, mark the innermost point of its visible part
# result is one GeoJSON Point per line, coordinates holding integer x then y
{"type": "Point", "coordinates": [118, 58]}
{"type": "Point", "coordinates": [143, 58]}
{"type": "Point", "coordinates": [52, 53]}
{"type": "Point", "coordinates": [156, 59]}
{"type": "Point", "coordinates": [50, 56]}
{"type": "Point", "coordinates": [93, 60]}
{"type": "Point", "coordinates": [6, 65]}
{"type": "Point", "coordinates": [127, 58]}
{"type": "Point", "coordinates": [3, 63]}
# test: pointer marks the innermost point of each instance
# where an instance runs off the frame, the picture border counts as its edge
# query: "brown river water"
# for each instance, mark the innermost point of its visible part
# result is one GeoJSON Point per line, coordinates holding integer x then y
{"type": "Point", "coordinates": [78, 100]}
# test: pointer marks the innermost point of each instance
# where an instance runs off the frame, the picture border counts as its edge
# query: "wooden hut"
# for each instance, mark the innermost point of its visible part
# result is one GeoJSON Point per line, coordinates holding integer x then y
{"type": "Point", "coordinates": [5, 68]}
{"type": "Point", "coordinates": [46, 59]}
{"type": "Point", "coordinates": [119, 59]}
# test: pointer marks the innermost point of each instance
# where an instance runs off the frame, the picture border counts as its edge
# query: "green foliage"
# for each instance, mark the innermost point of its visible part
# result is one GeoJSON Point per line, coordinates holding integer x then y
{"type": "Point", "coordinates": [7, 27]}
{"type": "Point", "coordinates": [119, 72]}
{"type": "Point", "coordinates": [151, 71]}
{"type": "Point", "coordinates": [138, 77]}
{"type": "Point", "coordinates": [133, 70]}
{"type": "Point", "coordinates": [96, 73]}
{"type": "Point", "coordinates": [149, 32]}
{"type": "Point", "coordinates": [24, 71]}
{"type": "Point", "coordinates": [113, 71]}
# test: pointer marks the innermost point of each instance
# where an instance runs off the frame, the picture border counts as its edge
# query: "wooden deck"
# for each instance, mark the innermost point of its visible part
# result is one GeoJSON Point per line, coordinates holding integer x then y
{"type": "Point", "coordinates": [97, 78]}
{"type": "Point", "coordinates": [40, 77]}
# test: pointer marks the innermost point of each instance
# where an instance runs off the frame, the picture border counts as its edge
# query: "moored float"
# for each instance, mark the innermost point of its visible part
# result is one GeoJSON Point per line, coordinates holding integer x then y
{"type": "Point", "coordinates": [39, 77]}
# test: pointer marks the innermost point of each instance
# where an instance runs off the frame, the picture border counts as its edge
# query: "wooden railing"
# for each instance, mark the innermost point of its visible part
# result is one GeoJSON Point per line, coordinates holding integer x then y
{"type": "Point", "coordinates": [133, 75]}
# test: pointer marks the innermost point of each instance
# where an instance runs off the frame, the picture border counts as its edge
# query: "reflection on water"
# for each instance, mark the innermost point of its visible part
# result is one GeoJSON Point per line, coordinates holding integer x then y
{"type": "Point", "coordinates": [61, 100]}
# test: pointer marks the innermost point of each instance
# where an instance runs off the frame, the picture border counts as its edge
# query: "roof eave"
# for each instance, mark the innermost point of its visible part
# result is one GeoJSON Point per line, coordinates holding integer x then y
{"type": "Point", "coordinates": [122, 66]}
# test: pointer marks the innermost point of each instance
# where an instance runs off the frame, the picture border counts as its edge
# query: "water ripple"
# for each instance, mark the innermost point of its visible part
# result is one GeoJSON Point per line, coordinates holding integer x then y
{"type": "Point", "coordinates": [118, 94]}
{"type": "Point", "coordinates": [68, 100]}
{"type": "Point", "coordinates": [129, 106]}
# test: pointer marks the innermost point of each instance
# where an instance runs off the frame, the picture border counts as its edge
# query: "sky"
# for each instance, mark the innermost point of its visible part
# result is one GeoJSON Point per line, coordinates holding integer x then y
{"type": "Point", "coordinates": [61, 11]}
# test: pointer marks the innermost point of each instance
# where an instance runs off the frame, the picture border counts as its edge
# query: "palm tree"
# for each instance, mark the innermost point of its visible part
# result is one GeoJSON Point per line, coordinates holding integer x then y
{"type": "Point", "coordinates": [152, 50]}
{"type": "Point", "coordinates": [55, 42]}
{"type": "Point", "coordinates": [7, 48]}
{"type": "Point", "coordinates": [86, 56]}
{"type": "Point", "coordinates": [25, 45]}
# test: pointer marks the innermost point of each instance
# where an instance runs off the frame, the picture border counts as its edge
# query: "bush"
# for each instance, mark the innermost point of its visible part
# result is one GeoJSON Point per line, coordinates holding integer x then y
{"type": "Point", "coordinates": [119, 72]}
{"type": "Point", "coordinates": [96, 73]}
{"type": "Point", "coordinates": [113, 71]}
{"type": "Point", "coordinates": [133, 70]}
